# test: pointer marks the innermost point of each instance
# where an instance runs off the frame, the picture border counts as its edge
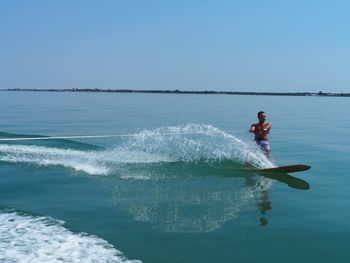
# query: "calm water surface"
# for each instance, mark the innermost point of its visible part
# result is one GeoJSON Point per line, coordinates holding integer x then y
{"type": "Point", "coordinates": [175, 187]}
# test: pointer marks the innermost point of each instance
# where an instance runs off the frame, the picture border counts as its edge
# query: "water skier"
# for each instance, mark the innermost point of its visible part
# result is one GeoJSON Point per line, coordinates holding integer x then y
{"type": "Point", "coordinates": [262, 131]}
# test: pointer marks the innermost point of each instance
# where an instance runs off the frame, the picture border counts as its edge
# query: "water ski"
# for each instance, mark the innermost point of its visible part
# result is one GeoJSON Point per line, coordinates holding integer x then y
{"type": "Point", "coordinates": [287, 169]}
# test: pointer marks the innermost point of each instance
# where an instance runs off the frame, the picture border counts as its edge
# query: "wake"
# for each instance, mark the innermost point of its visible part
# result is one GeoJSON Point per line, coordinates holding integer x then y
{"type": "Point", "coordinates": [27, 238]}
{"type": "Point", "coordinates": [188, 143]}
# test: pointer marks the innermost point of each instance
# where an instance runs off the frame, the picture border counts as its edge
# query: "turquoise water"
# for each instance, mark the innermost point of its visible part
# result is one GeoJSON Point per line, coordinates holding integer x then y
{"type": "Point", "coordinates": [171, 183]}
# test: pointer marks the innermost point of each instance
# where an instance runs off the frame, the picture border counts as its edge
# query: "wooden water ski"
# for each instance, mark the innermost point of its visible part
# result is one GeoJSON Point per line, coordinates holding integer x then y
{"type": "Point", "coordinates": [287, 169]}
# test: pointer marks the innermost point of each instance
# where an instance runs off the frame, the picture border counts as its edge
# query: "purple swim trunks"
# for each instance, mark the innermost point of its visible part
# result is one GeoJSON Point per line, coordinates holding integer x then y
{"type": "Point", "coordinates": [264, 145]}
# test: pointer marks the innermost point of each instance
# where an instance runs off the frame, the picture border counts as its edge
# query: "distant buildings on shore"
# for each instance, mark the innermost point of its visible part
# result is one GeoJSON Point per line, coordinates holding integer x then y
{"type": "Point", "coordinates": [208, 92]}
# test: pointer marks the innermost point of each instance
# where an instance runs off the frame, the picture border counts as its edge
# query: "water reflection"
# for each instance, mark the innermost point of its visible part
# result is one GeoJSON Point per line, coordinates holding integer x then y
{"type": "Point", "coordinates": [263, 203]}
{"type": "Point", "coordinates": [263, 200]}
{"type": "Point", "coordinates": [193, 198]}
{"type": "Point", "coordinates": [291, 181]}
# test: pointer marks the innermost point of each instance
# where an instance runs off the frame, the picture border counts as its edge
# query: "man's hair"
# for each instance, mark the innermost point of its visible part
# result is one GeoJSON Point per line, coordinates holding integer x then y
{"type": "Point", "coordinates": [260, 112]}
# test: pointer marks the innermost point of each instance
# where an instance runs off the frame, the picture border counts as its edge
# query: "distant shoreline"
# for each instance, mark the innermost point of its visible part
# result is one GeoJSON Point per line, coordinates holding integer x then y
{"type": "Point", "coordinates": [206, 92]}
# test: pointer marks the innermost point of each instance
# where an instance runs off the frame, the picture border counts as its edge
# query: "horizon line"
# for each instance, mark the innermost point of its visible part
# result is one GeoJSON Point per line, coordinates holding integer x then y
{"type": "Point", "coordinates": [177, 91]}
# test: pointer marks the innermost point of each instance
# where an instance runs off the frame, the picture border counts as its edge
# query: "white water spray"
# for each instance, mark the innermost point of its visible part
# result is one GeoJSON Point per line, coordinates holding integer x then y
{"type": "Point", "coordinates": [186, 143]}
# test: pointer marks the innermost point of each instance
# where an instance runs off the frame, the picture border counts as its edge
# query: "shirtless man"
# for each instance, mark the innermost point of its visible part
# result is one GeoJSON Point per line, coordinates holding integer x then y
{"type": "Point", "coordinates": [262, 131]}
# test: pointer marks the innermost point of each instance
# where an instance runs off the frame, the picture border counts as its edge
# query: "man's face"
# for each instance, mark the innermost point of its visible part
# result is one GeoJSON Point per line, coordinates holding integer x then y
{"type": "Point", "coordinates": [262, 117]}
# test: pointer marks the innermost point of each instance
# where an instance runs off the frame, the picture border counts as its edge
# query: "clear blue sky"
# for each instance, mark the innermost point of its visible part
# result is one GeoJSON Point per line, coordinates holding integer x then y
{"type": "Point", "coordinates": [247, 45]}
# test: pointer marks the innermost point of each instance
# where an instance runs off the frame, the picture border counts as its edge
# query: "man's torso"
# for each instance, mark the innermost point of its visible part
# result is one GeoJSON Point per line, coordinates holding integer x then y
{"type": "Point", "coordinates": [262, 131]}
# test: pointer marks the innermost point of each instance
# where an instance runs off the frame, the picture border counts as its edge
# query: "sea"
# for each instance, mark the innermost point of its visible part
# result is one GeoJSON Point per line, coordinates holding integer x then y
{"type": "Point", "coordinates": [114, 177]}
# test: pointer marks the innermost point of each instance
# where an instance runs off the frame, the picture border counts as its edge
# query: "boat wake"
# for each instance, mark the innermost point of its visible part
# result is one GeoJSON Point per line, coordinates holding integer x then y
{"type": "Point", "coordinates": [27, 238]}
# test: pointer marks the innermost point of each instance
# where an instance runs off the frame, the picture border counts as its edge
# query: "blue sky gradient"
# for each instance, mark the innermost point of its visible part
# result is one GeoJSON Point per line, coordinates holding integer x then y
{"type": "Point", "coordinates": [282, 46]}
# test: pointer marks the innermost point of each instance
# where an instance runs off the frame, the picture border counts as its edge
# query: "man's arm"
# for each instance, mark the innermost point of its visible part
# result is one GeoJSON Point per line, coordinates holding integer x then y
{"type": "Point", "coordinates": [252, 128]}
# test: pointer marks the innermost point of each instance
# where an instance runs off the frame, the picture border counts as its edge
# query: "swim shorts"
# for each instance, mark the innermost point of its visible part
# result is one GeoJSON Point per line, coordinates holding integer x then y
{"type": "Point", "coordinates": [264, 145]}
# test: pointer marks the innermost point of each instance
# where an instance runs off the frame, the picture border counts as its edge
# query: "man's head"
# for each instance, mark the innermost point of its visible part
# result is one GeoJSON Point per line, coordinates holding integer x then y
{"type": "Point", "coordinates": [261, 116]}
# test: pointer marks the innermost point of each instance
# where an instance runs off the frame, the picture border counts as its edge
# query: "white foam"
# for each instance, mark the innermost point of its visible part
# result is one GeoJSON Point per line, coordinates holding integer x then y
{"type": "Point", "coordinates": [85, 161]}
{"type": "Point", "coordinates": [25, 238]}
{"type": "Point", "coordinates": [90, 162]}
